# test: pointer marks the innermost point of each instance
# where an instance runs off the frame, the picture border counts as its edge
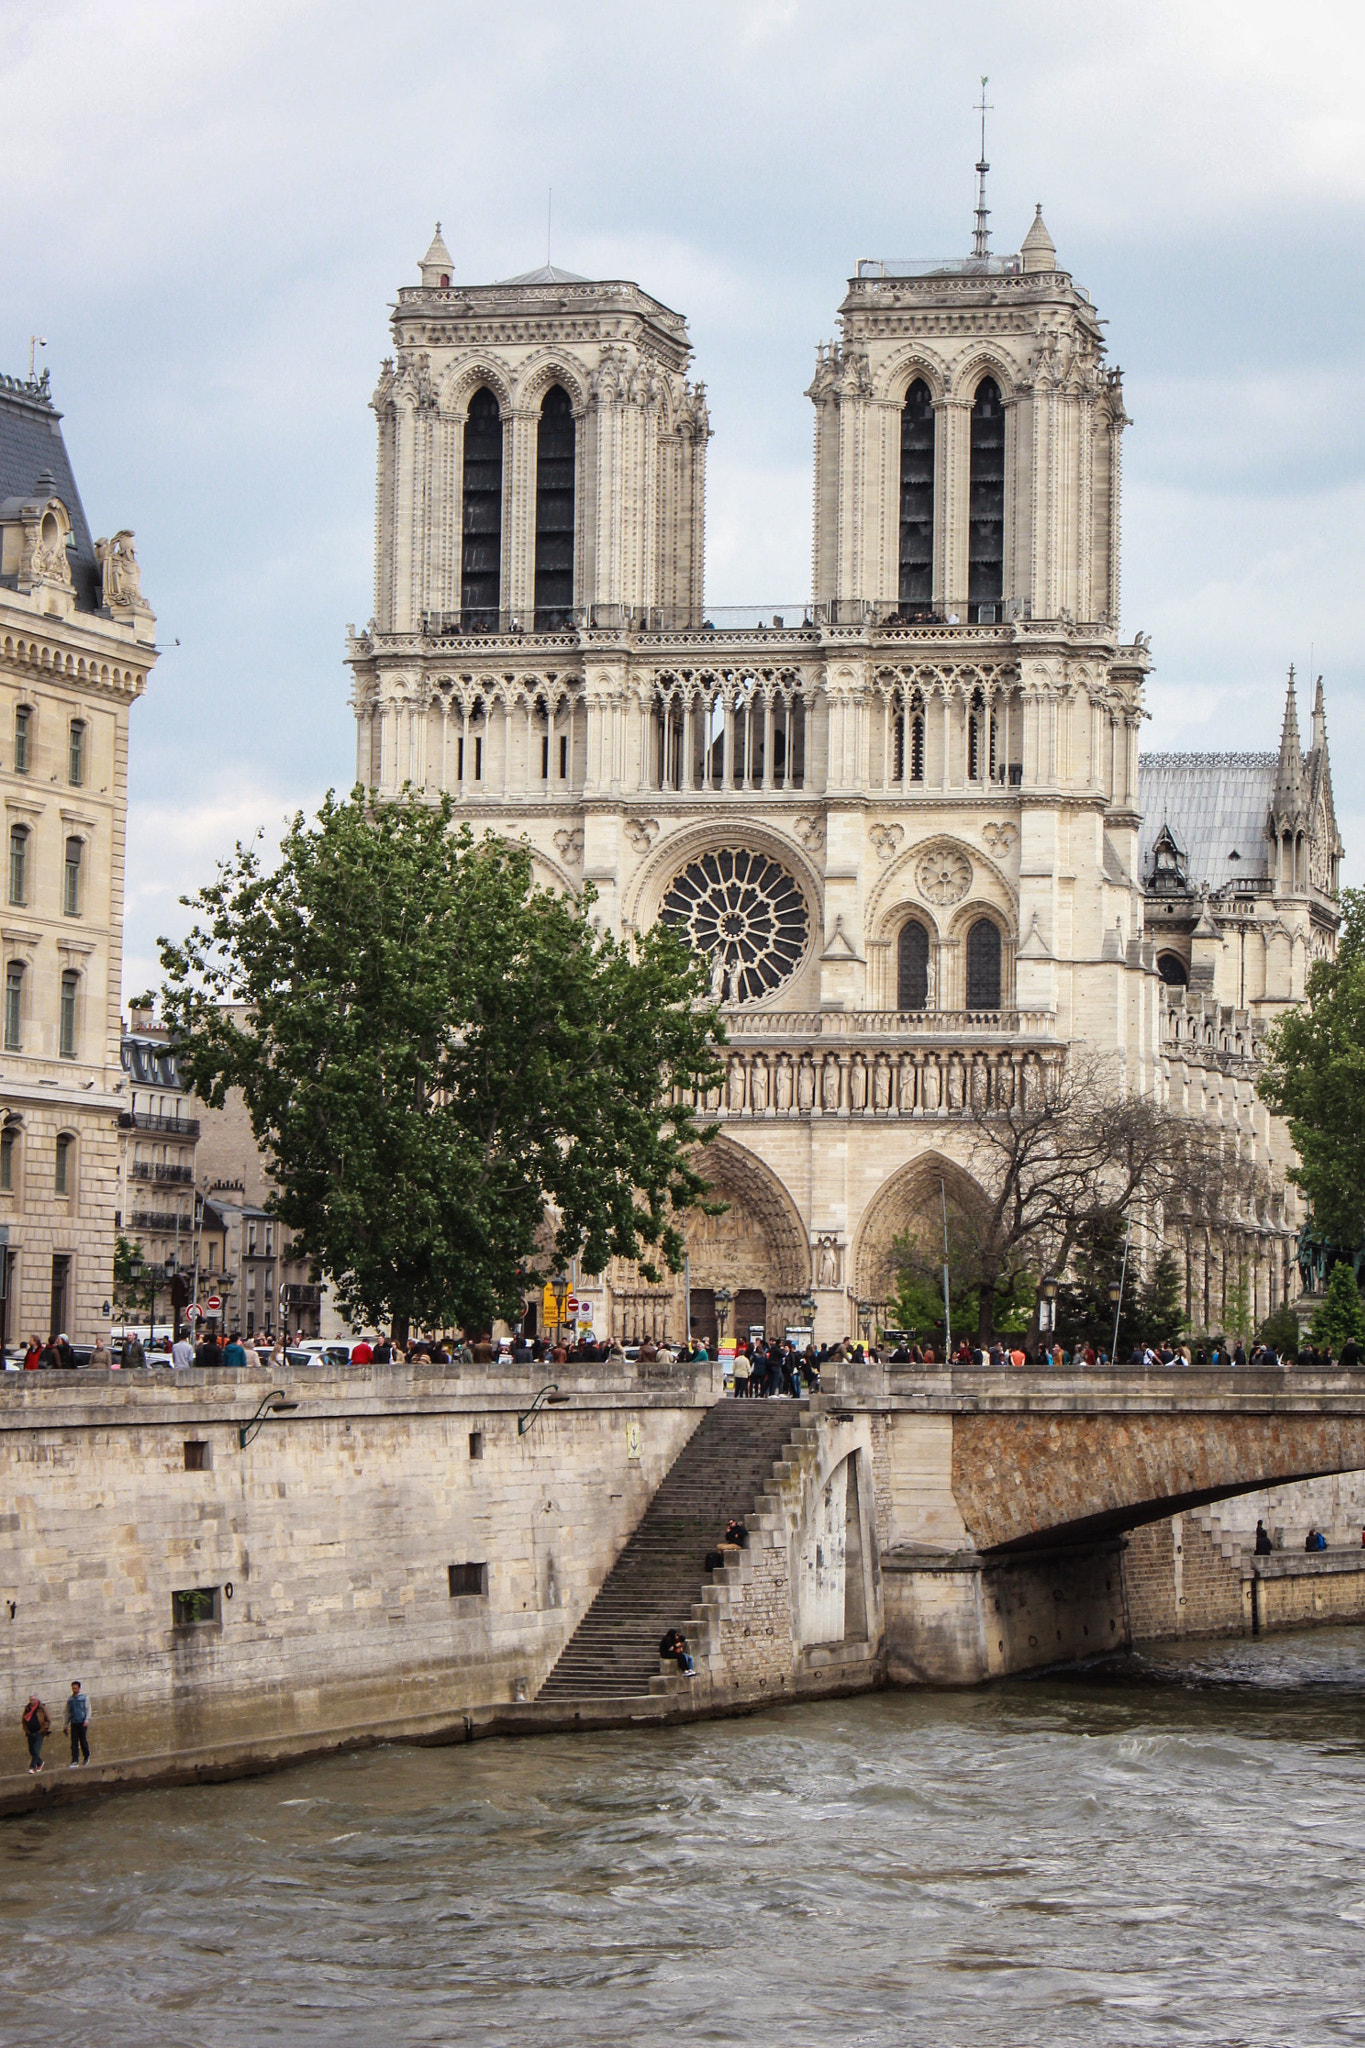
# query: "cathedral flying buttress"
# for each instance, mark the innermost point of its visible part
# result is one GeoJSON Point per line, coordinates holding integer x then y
{"type": "Point", "coordinates": [905, 829]}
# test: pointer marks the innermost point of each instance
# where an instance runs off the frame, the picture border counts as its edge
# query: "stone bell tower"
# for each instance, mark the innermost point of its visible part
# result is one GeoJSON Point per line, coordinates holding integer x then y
{"type": "Point", "coordinates": [541, 457]}
{"type": "Point", "coordinates": [967, 444]}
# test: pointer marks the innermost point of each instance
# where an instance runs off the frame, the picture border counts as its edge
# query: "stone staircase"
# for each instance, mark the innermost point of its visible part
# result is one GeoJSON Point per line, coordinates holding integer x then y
{"type": "Point", "coordinates": [659, 1581]}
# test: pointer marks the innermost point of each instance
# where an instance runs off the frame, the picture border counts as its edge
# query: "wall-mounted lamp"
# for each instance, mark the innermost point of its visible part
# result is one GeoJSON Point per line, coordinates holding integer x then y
{"type": "Point", "coordinates": [549, 1396]}
{"type": "Point", "coordinates": [275, 1403]}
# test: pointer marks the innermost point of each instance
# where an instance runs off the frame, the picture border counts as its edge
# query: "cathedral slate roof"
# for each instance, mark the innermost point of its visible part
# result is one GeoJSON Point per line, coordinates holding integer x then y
{"type": "Point", "coordinates": [546, 274]}
{"type": "Point", "coordinates": [1217, 807]}
{"type": "Point", "coordinates": [31, 447]}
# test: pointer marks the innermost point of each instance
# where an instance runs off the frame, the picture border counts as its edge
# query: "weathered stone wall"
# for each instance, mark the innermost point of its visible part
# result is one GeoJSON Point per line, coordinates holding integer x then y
{"type": "Point", "coordinates": [1179, 1582]}
{"type": "Point", "coordinates": [325, 1544]}
{"type": "Point", "coordinates": [961, 1619]}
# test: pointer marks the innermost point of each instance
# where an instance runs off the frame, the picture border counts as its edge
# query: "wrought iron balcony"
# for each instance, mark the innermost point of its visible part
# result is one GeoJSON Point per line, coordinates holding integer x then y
{"type": "Point", "coordinates": [142, 1169]}
{"type": "Point", "coordinates": [144, 1120]}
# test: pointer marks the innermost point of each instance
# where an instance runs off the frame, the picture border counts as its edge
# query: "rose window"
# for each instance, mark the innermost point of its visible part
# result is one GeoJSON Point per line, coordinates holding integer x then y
{"type": "Point", "coordinates": [746, 914]}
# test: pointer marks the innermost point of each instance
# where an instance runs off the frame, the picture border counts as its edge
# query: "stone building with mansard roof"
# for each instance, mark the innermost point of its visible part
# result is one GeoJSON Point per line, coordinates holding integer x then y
{"type": "Point", "coordinates": [906, 828]}
{"type": "Point", "coordinates": [76, 648]}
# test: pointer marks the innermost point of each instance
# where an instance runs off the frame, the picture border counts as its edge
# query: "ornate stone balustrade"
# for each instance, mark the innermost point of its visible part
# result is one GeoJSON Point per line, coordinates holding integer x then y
{"type": "Point", "coordinates": [878, 1026]}
{"type": "Point", "coordinates": [940, 1080]}
{"type": "Point", "coordinates": [1206, 1033]}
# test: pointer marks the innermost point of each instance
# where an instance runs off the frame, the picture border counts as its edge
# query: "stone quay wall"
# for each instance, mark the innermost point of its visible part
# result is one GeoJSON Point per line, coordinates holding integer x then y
{"type": "Point", "coordinates": [390, 1548]}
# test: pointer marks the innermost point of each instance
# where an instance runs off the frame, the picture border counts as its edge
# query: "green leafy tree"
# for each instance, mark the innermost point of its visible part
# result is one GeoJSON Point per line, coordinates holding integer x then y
{"type": "Point", "coordinates": [1152, 1307]}
{"type": "Point", "coordinates": [133, 1298]}
{"type": "Point", "coordinates": [1340, 1315]}
{"type": "Point", "coordinates": [1281, 1328]}
{"type": "Point", "coordinates": [1314, 1074]}
{"type": "Point", "coordinates": [445, 1065]}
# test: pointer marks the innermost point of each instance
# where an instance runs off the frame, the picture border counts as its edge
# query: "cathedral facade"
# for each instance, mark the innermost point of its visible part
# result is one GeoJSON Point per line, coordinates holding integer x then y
{"type": "Point", "coordinates": [907, 829]}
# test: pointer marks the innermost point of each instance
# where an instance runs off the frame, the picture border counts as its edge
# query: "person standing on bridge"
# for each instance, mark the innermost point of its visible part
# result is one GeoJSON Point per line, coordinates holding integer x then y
{"type": "Point", "coordinates": [76, 1720]}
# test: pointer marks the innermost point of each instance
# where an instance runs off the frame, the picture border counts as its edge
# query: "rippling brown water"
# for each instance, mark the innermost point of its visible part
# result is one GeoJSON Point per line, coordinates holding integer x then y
{"type": "Point", "coordinates": [1168, 1851]}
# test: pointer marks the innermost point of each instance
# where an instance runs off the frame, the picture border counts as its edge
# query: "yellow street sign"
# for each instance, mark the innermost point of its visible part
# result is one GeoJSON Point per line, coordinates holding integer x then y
{"type": "Point", "coordinates": [549, 1306]}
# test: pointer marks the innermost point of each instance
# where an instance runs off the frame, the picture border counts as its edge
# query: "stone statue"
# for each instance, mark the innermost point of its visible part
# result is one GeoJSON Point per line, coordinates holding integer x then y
{"type": "Point", "coordinates": [122, 584]}
{"type": "Point", "coordinates": [931, 1087]}
{"type": "Point", "coordinates": [735, 1082]}
{"type": "Point", "coordinates": [857, 1085]}
{"type": "Point", "coordinates": [758, 1087]}
{"type": "Point", "coordinates": [829, 1084]}
{"type": "Point", "coordinates": [905, 1087]}
{"type": "Point", "coordinates": [827, 1268]}
{"type": "Point", "coordinates": [720, 977]}
{"type": "Point", "coordinates": [805, 1085]}
{"type": "Point", "coordinates": [1033, 1093]}
{"type": "Point", "coordinates": [955, 1090]}
{"type": "Point", "coordinates": [881, 1085]}
{"type": "Point", "coordinates": [978, 1087]}
{"type": "Point", "coordinates": [782, 1084]}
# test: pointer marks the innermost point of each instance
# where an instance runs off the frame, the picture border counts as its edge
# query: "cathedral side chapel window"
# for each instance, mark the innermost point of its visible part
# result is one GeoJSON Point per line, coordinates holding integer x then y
{"type": "Point", "coordinates": [917, 501]}
{"type": "Point", "coordinates": [986, 528]}
{"type": "Point", "coordinates": [481, 562]}
{"type": "Point", "coordinates": [983, 966]}
{"type": "Point", "coordinates": [912, 967]}
{"type": "Point", "coordinates": [555, 455]}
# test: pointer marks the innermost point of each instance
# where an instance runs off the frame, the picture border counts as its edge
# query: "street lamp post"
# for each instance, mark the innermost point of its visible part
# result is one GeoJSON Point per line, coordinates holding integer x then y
{"type": "Point", "coordinates": [1115, 1300]}
{"type": "Point", "coordinates": [560, 1288]}
{"type": "Point", "coordinates": [723, 1300]}
{"type": "Point", "coordinates": [1047, 1302]}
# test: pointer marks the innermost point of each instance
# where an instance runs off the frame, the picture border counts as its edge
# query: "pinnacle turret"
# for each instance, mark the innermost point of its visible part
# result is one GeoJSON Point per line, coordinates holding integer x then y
{"type": "Point", "coordinates": [1291, 789]}
{"type": "Point", "coordinates": [1319, 720]}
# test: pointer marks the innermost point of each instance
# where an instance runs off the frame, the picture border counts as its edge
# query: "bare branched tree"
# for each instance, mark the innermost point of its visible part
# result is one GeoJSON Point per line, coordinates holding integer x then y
{"type": "Point", "coordinates": [1071, 1156]}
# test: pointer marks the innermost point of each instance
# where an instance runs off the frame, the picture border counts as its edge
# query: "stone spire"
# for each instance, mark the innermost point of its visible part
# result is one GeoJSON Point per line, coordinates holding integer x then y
{"type": "Point", "coordinates": [1319, 720]}
{"type": "Point", "coordinates": [1039, 250]}
{"type": "Point", "coordinates": [437, 267]}
{"type": "Point", "coordinates": [1291, 791]}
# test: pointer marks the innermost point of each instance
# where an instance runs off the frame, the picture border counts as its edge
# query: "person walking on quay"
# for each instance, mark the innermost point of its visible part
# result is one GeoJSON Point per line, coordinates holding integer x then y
{"type": "Point", "coordinates": [182, 1352]}
{"type": "Point", "coordinates": [134, 1354]}
{"type": "Point", "coordinates": [76, 1720]}
{"type": "Point", "coordinates": [235, 1354]}
{"type": "Point", "coordinates": [36, 1724]}
{"type": "Point", "coordinates": [744, 1366]}
{"type": "Point", "coordinates": [66, 1357]}
{"type": "Point", "coordinates": [33, 1357]}
{"type": "Point", "coordinates": [99, 1356]}
{"type": "Point", "coordinates": [208, 1354]}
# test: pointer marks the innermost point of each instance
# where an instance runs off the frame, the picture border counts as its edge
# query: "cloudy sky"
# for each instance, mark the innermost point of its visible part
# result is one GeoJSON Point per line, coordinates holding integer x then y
{"type": "Point", "coordinates": [208, 210]}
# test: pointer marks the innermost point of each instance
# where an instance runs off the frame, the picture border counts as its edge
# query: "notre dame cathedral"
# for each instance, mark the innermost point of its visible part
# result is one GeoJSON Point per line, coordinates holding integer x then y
{"type": "Point", "coordinates": [911, 829]}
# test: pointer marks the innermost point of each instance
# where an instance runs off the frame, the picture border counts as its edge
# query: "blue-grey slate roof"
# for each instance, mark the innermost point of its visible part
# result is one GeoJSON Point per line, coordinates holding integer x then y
{"type": "Point", "coordinates": [1218, 808]}
{"type": "Point", "coordinates": [31, 445]}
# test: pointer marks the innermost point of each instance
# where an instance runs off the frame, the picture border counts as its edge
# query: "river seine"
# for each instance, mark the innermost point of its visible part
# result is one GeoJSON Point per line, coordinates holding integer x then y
{"type": "Point", "coordinates": [1167, 1850]}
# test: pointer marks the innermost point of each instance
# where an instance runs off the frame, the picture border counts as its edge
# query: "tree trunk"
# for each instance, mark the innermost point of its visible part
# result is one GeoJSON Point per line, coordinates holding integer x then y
{"type": "Point", "coordinates": [985, 1315]}
{"type": "Point", "coordinates": [399, 1329]}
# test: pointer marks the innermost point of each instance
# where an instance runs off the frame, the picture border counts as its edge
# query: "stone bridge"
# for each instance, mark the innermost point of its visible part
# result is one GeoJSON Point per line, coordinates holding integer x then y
{"type": "Point", "coordinates": [1003, 1497]}
{"type": "Point", "coordinates": [1068, 1457]}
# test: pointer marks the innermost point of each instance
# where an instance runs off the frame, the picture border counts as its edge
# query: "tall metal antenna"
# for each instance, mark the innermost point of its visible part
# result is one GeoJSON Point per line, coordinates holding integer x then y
{"type": "Point", "coordinates": [549, 215]}
{"type": "Point", "coordinates": [35, 341]}
{"type": "Point", "coordinates": [982, 235]}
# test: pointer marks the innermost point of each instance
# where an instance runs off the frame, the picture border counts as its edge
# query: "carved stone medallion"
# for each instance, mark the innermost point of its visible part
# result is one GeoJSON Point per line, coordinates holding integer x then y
{"type": "Point", "coordinates": [944, 875]}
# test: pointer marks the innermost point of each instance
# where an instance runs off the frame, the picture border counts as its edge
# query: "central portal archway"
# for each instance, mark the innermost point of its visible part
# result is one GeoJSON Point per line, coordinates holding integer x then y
{"type": "Point", "coordinates": [756, 1250]}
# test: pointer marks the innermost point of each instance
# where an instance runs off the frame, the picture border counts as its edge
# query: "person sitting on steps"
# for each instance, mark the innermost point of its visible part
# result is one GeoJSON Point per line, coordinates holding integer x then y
{"type": "Point", "coordinates": [673, 1644]}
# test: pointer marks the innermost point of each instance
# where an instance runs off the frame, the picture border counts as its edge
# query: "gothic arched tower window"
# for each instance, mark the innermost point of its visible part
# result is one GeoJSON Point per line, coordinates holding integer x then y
{"type": "Point", "coordinates": [983, 966]}
{"type": "Point", "coordinates": [986, 533]}
{"type": "Point", "coordinates": [555, 450]}
{"type": "Point", "coordinates": [481, 561]}
{"type": "Point", "coordinates": [912, 967]}
{"type": "Point", "coordinates": [917, 499]}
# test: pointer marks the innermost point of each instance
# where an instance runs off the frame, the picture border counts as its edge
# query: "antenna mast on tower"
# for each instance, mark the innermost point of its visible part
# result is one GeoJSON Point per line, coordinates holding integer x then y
{"type": "Point", "coordinates": [982, 235]}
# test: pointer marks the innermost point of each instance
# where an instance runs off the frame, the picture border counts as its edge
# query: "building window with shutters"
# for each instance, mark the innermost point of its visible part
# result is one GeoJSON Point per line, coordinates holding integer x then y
{"type": "Point", "coordinates": [23, 739]}
{"type": "Point", "coordinates": [71, 879]}
{"type": "Point", "coordinates": [917, 502]}
{"type": "Point", "coordinates": [70, 986]}
{"type": "Point", "coordinates": [75, 765]}
{"type": "Point", "coordinates": [556, 443]}
{"type": "Point", "coordinates": [481, 556]}
{"type": "Point", "coordinates": [14, 1004]}
{"type": "Point", "coordinates": [18, 864]}
{"type": "Point", "coordinates": [986, 524]}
